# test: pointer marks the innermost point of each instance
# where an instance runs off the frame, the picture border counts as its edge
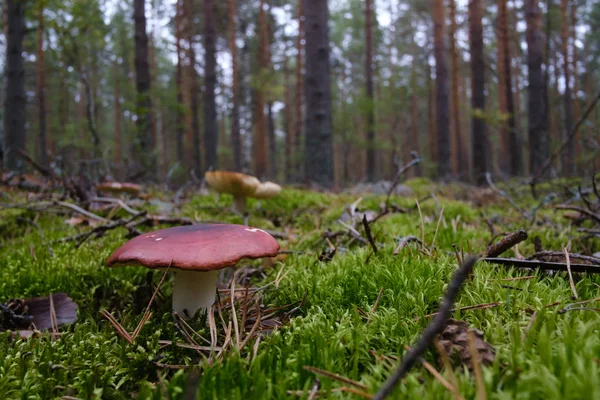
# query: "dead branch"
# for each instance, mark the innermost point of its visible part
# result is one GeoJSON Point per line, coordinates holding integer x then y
{"type": "Point", "coordinates": [505, 243]}
{"type": "Point", "coordinates": [368, 232]}
{"type": "Point", "coordinates": [416, 159]}
{"type": "Point", "coordinates": [82, 237]}
{"type": "Point", "coordinates": [543, 265]}
{"type": "Point", "coordinates": [591, 214]}
{"type": "Point", "coordinates": [546, 255]}
{"type": "Point", "coordinates": [542, 170]}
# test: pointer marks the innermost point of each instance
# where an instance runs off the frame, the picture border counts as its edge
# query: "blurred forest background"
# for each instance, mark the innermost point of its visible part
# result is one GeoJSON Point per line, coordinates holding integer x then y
{"type": "Point", "coordinates": [300, 91]}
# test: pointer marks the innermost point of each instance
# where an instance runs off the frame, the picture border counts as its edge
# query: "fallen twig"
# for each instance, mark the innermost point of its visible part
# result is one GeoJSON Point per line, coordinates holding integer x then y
{"type": "Point", "coordinates": [369, 235]}
{"type": "Point", "coordinates": [434, 328]}
{"type": "Point", "coordinates": [336, 377]}
{"type": "Point", "coordinates": [541, 255]}
{"type": "Point", "coordinates": [505, 243]}
{"type": "Point", "coordinates": [404, 241]}
{"type": "Point", "coordinates": [542, 265]}
{"type": "Point", "coordinates": [82, 237]}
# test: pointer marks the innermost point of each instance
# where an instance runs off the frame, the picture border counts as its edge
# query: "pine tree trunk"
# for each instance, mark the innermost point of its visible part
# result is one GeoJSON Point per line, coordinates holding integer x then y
{"type": "Point", "coordinates": [371, 168]}
{"type": "Point", "coordinates": [568, 157]}
{"type": "Point", "coordinates": [155, 103]}
{"type": "Point", "coordinates": [456, 138]}
{"type": "Point", "coordinates": [287, 121]}
{"type": "Point", "coordinates": [511, 150]}
{"type": "Point", "coordinates": [235, 107]}
{"type": "Point", "coordinates": [260, 123]}
{"type": "Point", "coordinates": [319, 129]}
{"type": "Point", "coordinates": [144, 102]}
{"type": "Point", "coordinates": [481, 162]}
{"type": "Point", "coordinates": [441, 90]}
{"type": "Point", "coordinates": [211, 133]}
{"type": "Point", "coordinates": [41, 90]}
{"type": "Point", "coordinates": [14, 100]}
{"type": "Point", "coordinates": [179, 121]}
{"type": "Point", "coordinates": [539, 146]}
{"type": "Point", "coordinates": [574, 60]}
{"type": "Point", "coordinates": [431, 119]}
{"type": "Point", "coordinates": [297, 157]}
{"type": "Point", "coordinates": [118, 152]}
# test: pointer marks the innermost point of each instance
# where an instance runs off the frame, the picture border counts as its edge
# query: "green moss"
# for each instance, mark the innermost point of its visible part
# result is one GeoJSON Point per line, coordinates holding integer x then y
{"type": "Point", "coordinates": [556, 358]}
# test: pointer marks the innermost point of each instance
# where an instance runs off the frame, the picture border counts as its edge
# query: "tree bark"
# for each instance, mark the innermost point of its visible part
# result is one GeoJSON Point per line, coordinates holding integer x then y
{"type": "Point", "coordinates": [179, 120]}
{"type": "Point", "coordinates": [297, 157]}
{"type": "Point", "coordinates": [441, 90]}
{"type": "Point", "coordinates": [287, 121]}
{"type": "Point", "coordinates": [539, 146]}
{"type": "Point", "coordinates": [568, 157]}
{"type": "Point", "coordinates": [510, 162]}
{"type": "Point", "coordinates": [456, 139]}
{"type": "Point", "coordinates": [319, 129]}
{"type": "Point", "coordinates": [481, 162]}
{"type": "Point", "coordinates": [144, 102]}
{"type": "Point", "coordinates": [211, 133]}
{"type": "Point", "coordinates": [574, 61]}
{"type": "Point", "coordinates": [118, 153]}
{"type": "Point", "coordinates": [14, 100]}
{"type": "Point", "coordinates": [41, 91]}
{"type": "Point", "coordinates": [431, 119]}
{"type": "Point", "coordinates": [371, 167]}
{"type": "Point", "coordinates": [260, 123]}
{"type": "Point", "coordinates": [235, 107]}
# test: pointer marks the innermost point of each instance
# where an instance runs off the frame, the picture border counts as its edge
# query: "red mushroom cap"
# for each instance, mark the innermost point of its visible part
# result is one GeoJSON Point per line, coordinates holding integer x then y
{"type": "Point", "coordinates": [201, 247]}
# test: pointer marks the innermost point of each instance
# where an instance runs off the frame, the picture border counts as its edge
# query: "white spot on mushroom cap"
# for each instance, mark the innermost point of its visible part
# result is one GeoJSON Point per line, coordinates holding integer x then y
{"type": "Point", "coordinates": [255, 230]}
{"type": "Point", "coordinates": [157, 239]}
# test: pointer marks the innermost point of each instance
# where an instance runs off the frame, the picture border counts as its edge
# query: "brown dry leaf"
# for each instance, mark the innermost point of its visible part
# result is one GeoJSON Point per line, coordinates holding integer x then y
{"type": "Point", "coordinates": [454, 341]}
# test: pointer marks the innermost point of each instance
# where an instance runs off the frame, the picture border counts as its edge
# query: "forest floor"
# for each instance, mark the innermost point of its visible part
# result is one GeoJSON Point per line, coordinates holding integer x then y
{"type": "Point", "coordinates": [330, 320]}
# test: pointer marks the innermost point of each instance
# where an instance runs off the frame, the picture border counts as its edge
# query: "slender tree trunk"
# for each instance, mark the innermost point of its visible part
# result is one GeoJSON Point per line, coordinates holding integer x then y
{"type": "Point", "coordinates": [481, 161]}
{"type": "Point", "coordinates": [297, 156]}
{"type": "Point", "coordinates": [431, 119]}
{"type": "Point", "coordinates": [210, 80]}
{"type": "Point", "coordinates": [272, 142]}
{"type": "Point", "coordinates": [371, 169]}
{"type": "Point", "coordinates": [441, 89]}
{"type": "Point", "coordinates": [319, 129]}
{"type": "Point", "coordinates": [568, 157]}
{"type": "Point", "coordinates": [144, 102]}
{"type": "Point", "coordinates": [118, 153]}
{"type": "Point", "coordinates": [41, 90]}
{"type": "Point", "coordinates": [179, 121]}
{"type": "Point", "coordinates": [287, 120]}
{"type": "Point", "coordinates": [539, 148]}
{"type": "Point", "coordinates": [164, 140]}
{"type": "Point", "coordinates": [235, 107]}
{"type": "Point", "coordinates": [456, 139]}
{"type": "Point", "coordinates": [14, 100]}
{"type": "Point", "coordinates": [511, 150]}
{"type": "Point", "coordinates": [260, 123]}
{"type": "Point", "coordinates": [574, 60]}
{"type": "Point", "coordinates": [155, 103]}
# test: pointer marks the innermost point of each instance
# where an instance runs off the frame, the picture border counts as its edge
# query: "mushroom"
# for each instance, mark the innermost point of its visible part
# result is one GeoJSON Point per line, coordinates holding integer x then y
{"type": "Point", "coordinates": [235, 183]}
{"type": "Point", "coordinates": [119, 187]}
{"type": "Point", "coordinates": [267, 190]}
{"type": "Point", "coordinates": [197, 252]}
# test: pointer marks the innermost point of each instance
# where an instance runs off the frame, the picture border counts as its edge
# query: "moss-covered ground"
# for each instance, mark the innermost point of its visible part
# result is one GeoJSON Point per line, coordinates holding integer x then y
{"type": "Point", "coordinates": [554, 355]}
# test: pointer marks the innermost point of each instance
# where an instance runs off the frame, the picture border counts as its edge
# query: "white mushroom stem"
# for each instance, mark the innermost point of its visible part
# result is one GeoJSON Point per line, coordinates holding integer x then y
{"type": "Point", "coordinates": [194, 290]}
{"type": "Point", "coordinates": [239, 203]}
